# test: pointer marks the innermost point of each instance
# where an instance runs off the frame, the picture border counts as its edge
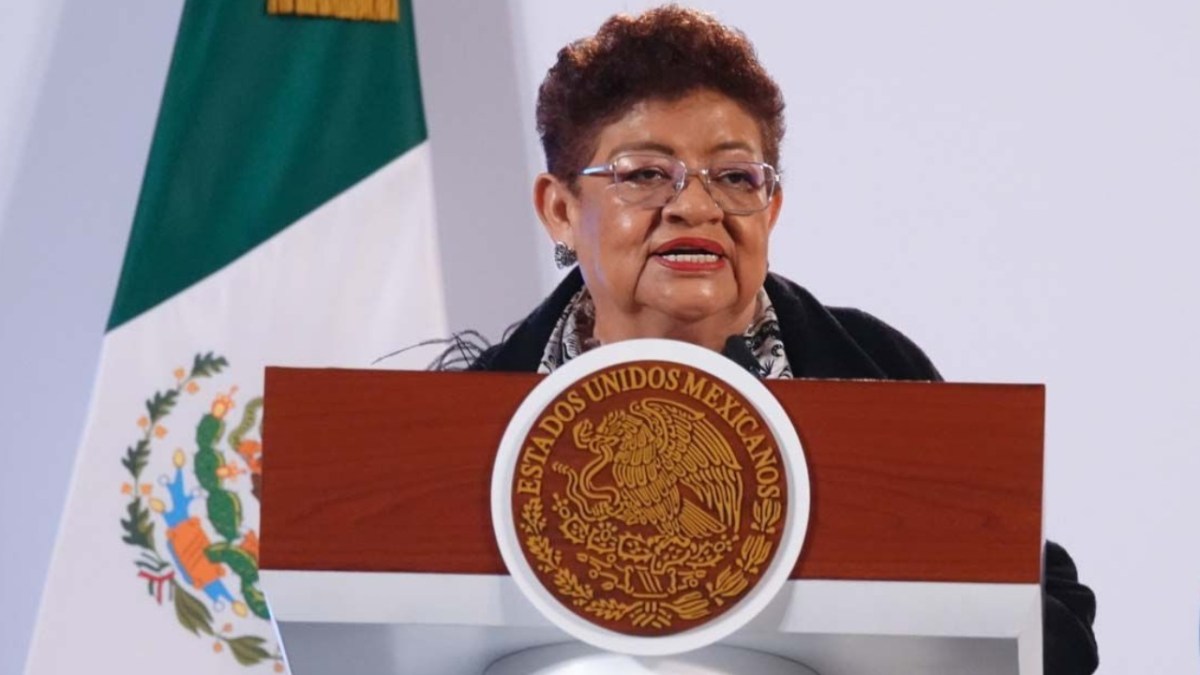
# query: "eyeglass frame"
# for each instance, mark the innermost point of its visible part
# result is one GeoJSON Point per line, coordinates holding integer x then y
{"type": "Point", "coordinates": [609, 169]}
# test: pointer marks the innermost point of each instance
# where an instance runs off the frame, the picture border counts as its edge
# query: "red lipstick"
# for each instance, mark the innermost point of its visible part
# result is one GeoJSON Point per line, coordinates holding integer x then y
{"type": "Point", "coordinates": [691, 254]}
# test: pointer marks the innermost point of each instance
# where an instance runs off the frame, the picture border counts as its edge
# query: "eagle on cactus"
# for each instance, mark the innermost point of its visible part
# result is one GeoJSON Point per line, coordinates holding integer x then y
{"type": "Point", "coordinates": [657, 463]}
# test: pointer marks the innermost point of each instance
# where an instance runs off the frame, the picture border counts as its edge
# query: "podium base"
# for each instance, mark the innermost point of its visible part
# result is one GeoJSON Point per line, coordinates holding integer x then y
{"type": "Point", "coordinates": [579, 659]}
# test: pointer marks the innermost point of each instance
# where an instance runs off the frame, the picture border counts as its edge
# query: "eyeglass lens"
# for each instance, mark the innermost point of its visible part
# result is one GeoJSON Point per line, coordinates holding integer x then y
{"type": "Point", "coordinates": [653, 180]}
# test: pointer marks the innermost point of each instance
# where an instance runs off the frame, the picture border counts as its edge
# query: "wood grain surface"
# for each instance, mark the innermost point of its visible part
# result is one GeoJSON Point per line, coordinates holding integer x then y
{"type": "Point", "coordinates": [391, 471]}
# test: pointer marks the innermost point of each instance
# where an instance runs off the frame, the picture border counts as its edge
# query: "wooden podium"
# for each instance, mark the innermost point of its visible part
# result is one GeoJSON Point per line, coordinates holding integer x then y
{"type": "Point", "coordinates": [923, 553]}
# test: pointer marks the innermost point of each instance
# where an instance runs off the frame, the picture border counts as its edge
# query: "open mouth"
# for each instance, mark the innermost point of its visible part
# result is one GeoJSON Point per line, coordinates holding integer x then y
{"type": "Point", "coordinates": [690, 256]}
{"type": "Point", "coordinates": [689, 253]}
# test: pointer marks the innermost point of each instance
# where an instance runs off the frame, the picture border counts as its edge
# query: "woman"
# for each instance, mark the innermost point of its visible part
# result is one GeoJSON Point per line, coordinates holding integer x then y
{"type": "Point", "coordinates": [662, 136]}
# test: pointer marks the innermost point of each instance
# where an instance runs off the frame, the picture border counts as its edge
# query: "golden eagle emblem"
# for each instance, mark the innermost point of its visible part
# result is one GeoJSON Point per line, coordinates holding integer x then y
{"type": "Point", "coordinates": [667, 466]}
{"type": "Point", "coordinates": [644, 500]}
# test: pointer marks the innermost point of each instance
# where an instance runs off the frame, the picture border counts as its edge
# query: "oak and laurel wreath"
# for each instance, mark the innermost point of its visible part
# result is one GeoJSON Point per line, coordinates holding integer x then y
{"type": "Point", "coordinates": [190, 611]}
{"type": "Point", "coordinates": [729, 583]}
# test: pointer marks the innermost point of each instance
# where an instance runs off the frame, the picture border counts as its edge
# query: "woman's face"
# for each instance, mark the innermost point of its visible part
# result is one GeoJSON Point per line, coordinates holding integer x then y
{"type": "Point", "coordinates": [624, 249]}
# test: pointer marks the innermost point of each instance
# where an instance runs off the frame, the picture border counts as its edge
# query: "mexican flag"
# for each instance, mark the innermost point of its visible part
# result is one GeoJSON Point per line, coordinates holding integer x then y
{"type": "Point", "coordinates": [286, 217]}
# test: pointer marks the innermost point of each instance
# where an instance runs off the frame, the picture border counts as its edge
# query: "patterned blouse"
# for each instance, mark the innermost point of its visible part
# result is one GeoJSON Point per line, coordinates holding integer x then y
{"type": "Point", "coordinates": [573, 335]}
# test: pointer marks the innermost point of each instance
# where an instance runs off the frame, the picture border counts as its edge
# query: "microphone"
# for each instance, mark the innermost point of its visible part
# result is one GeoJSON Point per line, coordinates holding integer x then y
{"type": "Point", "coordinates": [738, 351]}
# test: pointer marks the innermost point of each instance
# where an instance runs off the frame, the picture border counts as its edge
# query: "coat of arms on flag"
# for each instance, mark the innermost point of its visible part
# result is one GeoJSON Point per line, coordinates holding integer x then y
{"type": "Point", "coordinates": [185, 507]}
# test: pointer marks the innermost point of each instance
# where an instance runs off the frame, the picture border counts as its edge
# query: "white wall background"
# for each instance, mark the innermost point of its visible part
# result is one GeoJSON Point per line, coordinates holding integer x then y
{"type": "Point", "coordinates": [81, 87]}
{"type": "Point", "coordinates": [1016, 185]}
{"type": "Point", "coordinates": [26, 29]}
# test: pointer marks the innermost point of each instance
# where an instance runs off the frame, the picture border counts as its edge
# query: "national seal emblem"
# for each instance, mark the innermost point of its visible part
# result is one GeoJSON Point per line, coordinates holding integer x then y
{"type": "Point", "coordinates": [646, 500]}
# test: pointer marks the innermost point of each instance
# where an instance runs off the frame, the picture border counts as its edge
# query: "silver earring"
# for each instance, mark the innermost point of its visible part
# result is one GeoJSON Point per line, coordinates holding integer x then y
{"type": "Point", "coordinates": [564, 256]}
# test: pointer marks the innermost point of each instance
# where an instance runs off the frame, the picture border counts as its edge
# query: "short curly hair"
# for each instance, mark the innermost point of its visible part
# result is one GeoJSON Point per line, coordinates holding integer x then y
{"type": "Point", "coordinates": [664, 53]}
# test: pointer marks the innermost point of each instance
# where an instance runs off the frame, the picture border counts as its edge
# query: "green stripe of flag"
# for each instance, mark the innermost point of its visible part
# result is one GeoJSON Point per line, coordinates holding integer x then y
{"type": "Point", "coordinates": [263, 119]}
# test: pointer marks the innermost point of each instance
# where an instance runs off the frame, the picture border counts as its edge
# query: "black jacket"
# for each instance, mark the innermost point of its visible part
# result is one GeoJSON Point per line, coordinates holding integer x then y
{"type": "Point", "coordinates": [838, 342]}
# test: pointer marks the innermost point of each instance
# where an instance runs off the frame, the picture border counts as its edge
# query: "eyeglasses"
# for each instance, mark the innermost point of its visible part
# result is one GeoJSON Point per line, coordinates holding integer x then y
{"type": "Point", "coordinates": [652, 181]}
